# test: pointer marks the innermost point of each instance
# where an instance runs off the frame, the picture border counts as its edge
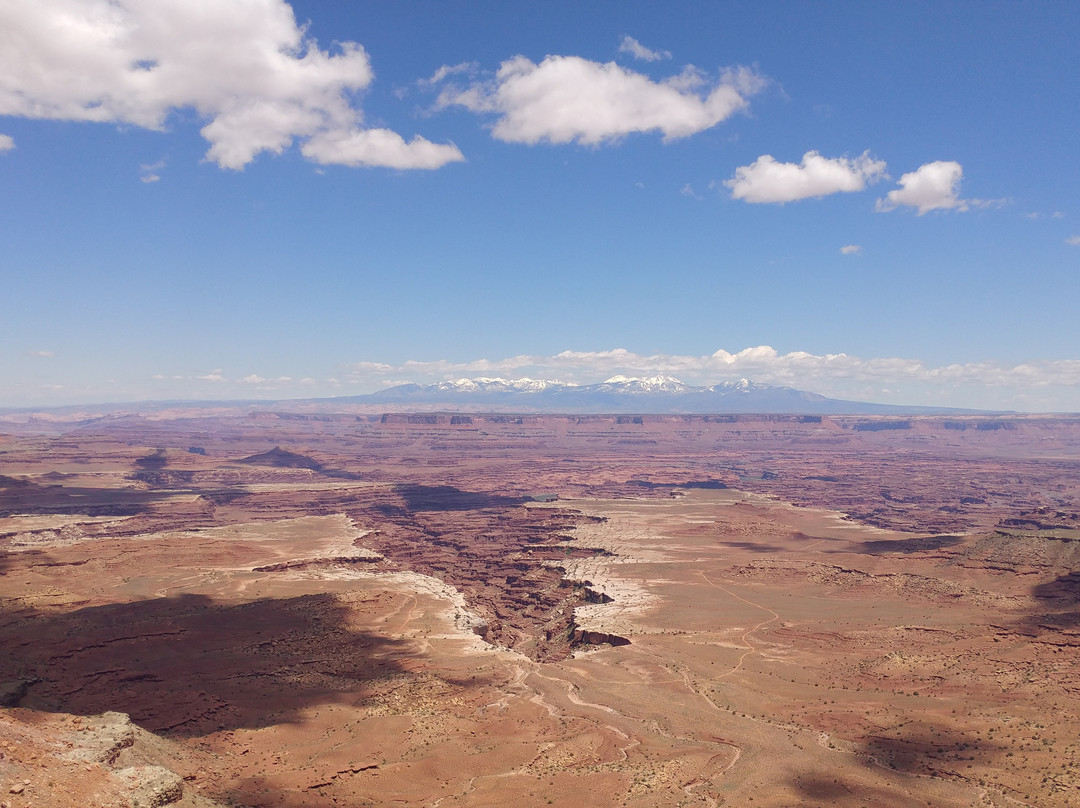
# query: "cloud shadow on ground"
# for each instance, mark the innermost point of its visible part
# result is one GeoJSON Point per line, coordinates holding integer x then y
{"type": "Point", "coordinates": [448, 498]}
{"type": "Point", "coordinates": [21, 497]}
{"type": "Point", "coordinates": [1061, 597]}
{"type": "Point", "coordinates": [920, 750]}
{"type": "Point", "coordinates": [919, 544]}
{"type": "Point", "coordinates": [191, 665]}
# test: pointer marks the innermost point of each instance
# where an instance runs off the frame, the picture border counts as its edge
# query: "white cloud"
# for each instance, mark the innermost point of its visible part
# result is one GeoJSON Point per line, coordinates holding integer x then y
{"type": "Point", "coordinates": [568, 99]}
{"type": "Point", "coordinates": [378, 147]}
{"type": "Point", "coordinates": [372, 367]}
{"type": "Point", "coordinates": [149, 171]}
{"type": "Point", "coordinates": [639, 51]}
{"type": "Point", "coordinates": [244, 67]}
{"type": "Point", "coordinates": [932, 186]}
{"type": "Point", "coordinates": [838, 375]}
{"type": "Point", "coordinates": [851, 249]}
{"type": "Point", "coordinates": [41, 354]}
{"type": "Point", "coordinates": [984, 204]}
{"type": "Point", "coordinates": [1073, 240]}
{"type": "Point", "coordinates": [260, 381]}
{"type": "Point", "coordinates": [7, 143]}
{"type": "Point", "coordinates": [449, 70]}
{"type": "Point", "coordinates": [766, 180]}
{"type": "Point", "coordinates": [1038, 384]}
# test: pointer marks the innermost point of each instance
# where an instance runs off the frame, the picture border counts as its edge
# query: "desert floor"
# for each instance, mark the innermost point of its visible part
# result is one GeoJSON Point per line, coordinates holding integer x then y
{"type": "Point", "coordinates": [342, 610]}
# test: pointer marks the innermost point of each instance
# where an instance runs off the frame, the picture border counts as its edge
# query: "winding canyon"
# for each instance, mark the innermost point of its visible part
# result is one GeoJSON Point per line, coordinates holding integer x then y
{"type": "Point", "coordinates": [317, 609]}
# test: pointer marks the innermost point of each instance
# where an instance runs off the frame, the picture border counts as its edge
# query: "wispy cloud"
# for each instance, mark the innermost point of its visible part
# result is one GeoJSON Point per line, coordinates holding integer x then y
{"type": "Point", "coordinates": [446, 71]}
{"type": "Point", "coordinates": [41, 354]}
{"type": "Point", "coordinates": [639, 51]}
{"type": "Point", "coordinates": [148, 172]}
{"type": "Point", "coordinates": [566, 99]}
{"type": "Point", "coordinates": [831, 374]}
{"type": "Point", "coordinates": [766, 180]}
{"type": "Point", "coordinates": [260, 381]}
{"type": "Point", "coordinates": [1073, 240]}
{"type": "Point", "coordinates": [7, 143]}
{"type": "Point", "coordinates": [247, 69]}
{"type": "Point", "coordinates": [1045, 384]}
{"type": "Point", "coordinates": [851, 249]}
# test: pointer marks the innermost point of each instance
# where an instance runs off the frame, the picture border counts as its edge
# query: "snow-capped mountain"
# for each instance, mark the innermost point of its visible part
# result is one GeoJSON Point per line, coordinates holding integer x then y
{"type": "Point", "coordinates": [741, 387]}
{"type": "Point", "coordinates": [634, 386]}
{"type": "Point", "coordinates": [496, 385]}
{"type": "Point", "coordinates": [622, 394]}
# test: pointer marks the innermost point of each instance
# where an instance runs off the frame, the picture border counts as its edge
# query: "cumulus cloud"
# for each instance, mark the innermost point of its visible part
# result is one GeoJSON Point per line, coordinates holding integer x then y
{"type": "Point", "coordinates": [1038, 384]}
{"type": "Point", "coordinates": [7, 143]}
{"type": "Point", "coordinates": [766, 180]}
{"type": "Point", "coordinates": [246, 68]}
{"type": "Point", "coordinates": [839, 375]}
{"type": "Point", "coordinates": [377, 147]}
{"type": "Point", "coordinates": [639, 51]}
{"type": "Point", "coordinates": [566, 99]}
{"type": "Point", "coordinates": [851, 249]}
{"type": "Point", "coordinates": [932, 186]}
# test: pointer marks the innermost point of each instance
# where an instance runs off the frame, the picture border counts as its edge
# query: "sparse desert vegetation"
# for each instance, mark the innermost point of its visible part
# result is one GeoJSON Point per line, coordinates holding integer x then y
{"type": "Point", "coordinates": [353, 610]}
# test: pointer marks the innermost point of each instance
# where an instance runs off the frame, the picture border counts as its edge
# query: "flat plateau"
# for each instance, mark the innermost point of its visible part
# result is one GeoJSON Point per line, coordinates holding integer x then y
{"type": "Point", "coordinates": [543, 610]}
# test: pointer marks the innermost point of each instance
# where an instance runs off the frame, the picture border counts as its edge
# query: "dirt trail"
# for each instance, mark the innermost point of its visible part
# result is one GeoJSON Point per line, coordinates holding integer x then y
{"type": "Point", "coordinates": [792, 655]}
{"type": "Point", "coordinates": [751, 648]}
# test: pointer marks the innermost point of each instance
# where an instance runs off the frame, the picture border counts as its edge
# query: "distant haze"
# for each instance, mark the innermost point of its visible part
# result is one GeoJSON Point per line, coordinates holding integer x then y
{"type": "Point", "coordinates": [619, 394]}
{"type": "Point", "coordinates": [262, 199]}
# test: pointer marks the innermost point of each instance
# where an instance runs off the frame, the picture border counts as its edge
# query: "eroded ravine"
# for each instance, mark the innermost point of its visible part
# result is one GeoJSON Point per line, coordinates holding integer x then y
{"type": "Point", "coordinates": [308, 633]}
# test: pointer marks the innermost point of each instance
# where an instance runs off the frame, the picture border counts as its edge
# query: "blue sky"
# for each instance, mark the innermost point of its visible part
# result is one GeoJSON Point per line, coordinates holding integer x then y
{"type": "Point", "coordinates": [210, 199]}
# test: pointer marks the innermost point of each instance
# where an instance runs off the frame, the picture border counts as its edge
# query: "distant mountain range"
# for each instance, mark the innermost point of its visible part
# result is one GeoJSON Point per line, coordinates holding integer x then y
{"type": "Point", "coordinates": [620, 394]}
